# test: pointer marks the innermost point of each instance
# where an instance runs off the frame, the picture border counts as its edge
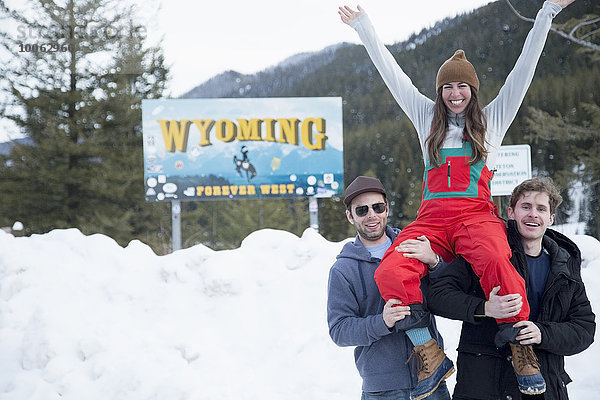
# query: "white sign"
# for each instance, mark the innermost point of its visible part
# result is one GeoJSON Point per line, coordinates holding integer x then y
{"type": "Point", "coordinates": [513, 166]}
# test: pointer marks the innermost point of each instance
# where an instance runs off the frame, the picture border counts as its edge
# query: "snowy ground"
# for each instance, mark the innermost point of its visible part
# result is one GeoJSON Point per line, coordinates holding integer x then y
{"type": "Point", "coordinates": [83, 318]}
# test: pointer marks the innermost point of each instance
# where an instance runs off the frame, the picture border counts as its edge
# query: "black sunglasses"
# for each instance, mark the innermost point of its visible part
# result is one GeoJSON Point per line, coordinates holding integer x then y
{"type": "Point", "coordinates": [361, 211]}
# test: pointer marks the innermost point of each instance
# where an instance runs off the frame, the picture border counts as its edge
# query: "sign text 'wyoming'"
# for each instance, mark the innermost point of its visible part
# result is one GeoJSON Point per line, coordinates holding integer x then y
{"type": "Point", "coordinates": [310, 132]}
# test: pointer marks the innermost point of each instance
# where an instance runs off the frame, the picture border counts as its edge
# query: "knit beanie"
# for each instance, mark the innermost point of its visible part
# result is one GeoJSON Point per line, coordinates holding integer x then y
{"type": "Point", "coordinates": [457, 69]}
{"type": "Point", "coordinates": [360, 185]}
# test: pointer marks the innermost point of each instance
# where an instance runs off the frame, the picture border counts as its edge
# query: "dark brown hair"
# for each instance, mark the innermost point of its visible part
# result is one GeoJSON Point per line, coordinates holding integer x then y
{"type": "Point", "coordinates": [537, 184]}
{"type": "Point", "coordinates": [474, 132]}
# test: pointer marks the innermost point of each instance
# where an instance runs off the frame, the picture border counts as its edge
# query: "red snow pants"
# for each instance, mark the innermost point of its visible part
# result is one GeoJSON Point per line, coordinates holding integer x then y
{"type": "Point", "coordinates": [454, 227]}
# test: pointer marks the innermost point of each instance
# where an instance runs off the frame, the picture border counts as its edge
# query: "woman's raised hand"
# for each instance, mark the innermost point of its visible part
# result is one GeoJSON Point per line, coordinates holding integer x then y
{"type": "Point", "coordinates": [348, 15]}
{"type": "Point", "coordinates": [562, 3]}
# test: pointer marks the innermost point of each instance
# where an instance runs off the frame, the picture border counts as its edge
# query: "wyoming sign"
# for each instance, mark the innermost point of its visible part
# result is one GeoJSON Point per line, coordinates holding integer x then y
{"type": "Point", "coordinates": [214, 149]}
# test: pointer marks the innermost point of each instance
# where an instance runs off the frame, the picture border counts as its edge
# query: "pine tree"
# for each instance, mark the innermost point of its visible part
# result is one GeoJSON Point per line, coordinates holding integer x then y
{"type": "Point", "coordinates": [78, 101]}
{"type": "Point", "coordinates": [223, 224]}
{"type": "Point", "coordinates": [576, 146]}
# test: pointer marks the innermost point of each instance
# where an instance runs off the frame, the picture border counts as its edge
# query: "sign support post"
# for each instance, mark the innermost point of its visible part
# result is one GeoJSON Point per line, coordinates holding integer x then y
{"type": "Point", "coordinates": [176, 223]}
{"type": "Point", "coordinates": [313, 210]}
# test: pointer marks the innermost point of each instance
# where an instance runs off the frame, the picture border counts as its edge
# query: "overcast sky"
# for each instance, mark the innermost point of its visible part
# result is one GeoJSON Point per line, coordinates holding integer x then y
{"type": "Point", "coordinates": [203, 39]}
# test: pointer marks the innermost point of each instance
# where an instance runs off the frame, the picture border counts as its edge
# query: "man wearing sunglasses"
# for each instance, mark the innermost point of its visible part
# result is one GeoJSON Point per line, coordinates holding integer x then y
{"type": "Point", "coordinates": [357, 314]}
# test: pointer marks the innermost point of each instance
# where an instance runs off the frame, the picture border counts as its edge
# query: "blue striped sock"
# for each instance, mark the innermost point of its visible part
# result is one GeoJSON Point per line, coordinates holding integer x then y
{"type": "Point", "coordinates": [418, 336]}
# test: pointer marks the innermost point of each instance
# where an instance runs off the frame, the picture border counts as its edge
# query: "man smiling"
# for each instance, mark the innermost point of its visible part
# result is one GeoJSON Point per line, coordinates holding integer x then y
{"type": "Point", "coordinates": [358, 315]}
{"type": "Point", "coordinates": [532, 213]}
{"type": "Point", "coordinates": [561, 321]}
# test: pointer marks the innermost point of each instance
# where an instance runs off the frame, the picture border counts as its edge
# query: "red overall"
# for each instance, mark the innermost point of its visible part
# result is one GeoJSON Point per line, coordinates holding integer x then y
{"type": "Point", "coordinates": [457, 216]}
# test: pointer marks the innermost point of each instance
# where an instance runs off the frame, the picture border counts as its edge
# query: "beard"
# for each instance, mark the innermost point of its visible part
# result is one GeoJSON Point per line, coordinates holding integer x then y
{"type": "Point", "coordinates": [370, 235]}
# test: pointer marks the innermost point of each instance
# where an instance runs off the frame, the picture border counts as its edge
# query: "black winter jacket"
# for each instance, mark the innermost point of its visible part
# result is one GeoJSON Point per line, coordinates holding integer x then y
{"type": "Point", "coordinates": [566, 321]}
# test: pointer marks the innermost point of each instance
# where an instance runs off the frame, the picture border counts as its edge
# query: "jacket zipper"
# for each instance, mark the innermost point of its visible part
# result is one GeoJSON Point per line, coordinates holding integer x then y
{"type": "Point", "coordinates": [449, 181]}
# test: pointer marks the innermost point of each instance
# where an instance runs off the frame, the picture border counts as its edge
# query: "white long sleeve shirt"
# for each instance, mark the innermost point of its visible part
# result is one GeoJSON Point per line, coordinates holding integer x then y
{"type": "Point", "coordinates": [499, 113]}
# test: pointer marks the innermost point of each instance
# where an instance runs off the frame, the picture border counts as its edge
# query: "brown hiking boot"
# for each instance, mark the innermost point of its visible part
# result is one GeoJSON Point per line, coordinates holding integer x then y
{"type": "Point", "coordinates": [527, 369]}
{"type": "Point", "coordinates": [432, 368]}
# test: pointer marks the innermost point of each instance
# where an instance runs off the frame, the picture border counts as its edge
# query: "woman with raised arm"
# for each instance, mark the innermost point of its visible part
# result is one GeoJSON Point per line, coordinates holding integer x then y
{"type": "Point", "coordinates": [459, 141]}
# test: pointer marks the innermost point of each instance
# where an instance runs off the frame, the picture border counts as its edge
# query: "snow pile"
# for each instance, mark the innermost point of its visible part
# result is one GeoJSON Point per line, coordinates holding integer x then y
{"type": "Point", "coordinates": [82, 317]}
{"type": "Point", "coordinates": [590, 250]}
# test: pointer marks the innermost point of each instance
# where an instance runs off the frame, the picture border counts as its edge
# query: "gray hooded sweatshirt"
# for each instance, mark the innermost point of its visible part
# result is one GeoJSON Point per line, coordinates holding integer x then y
{"type": "Point", "coordinates": [354, 315]}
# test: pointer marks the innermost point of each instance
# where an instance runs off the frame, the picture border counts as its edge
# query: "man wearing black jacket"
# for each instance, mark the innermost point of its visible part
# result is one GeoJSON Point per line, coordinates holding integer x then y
{"type": "Point", "coordinates": [561, 321]}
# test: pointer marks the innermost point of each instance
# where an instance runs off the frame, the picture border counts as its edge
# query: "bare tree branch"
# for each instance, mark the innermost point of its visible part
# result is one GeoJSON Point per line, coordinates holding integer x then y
{"type": "Point", "coordinates": [570, 35]}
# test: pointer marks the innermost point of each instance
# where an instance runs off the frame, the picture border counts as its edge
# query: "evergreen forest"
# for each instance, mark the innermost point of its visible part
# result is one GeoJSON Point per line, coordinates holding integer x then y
{"type": "Point", "coordinates": [81, 164]}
